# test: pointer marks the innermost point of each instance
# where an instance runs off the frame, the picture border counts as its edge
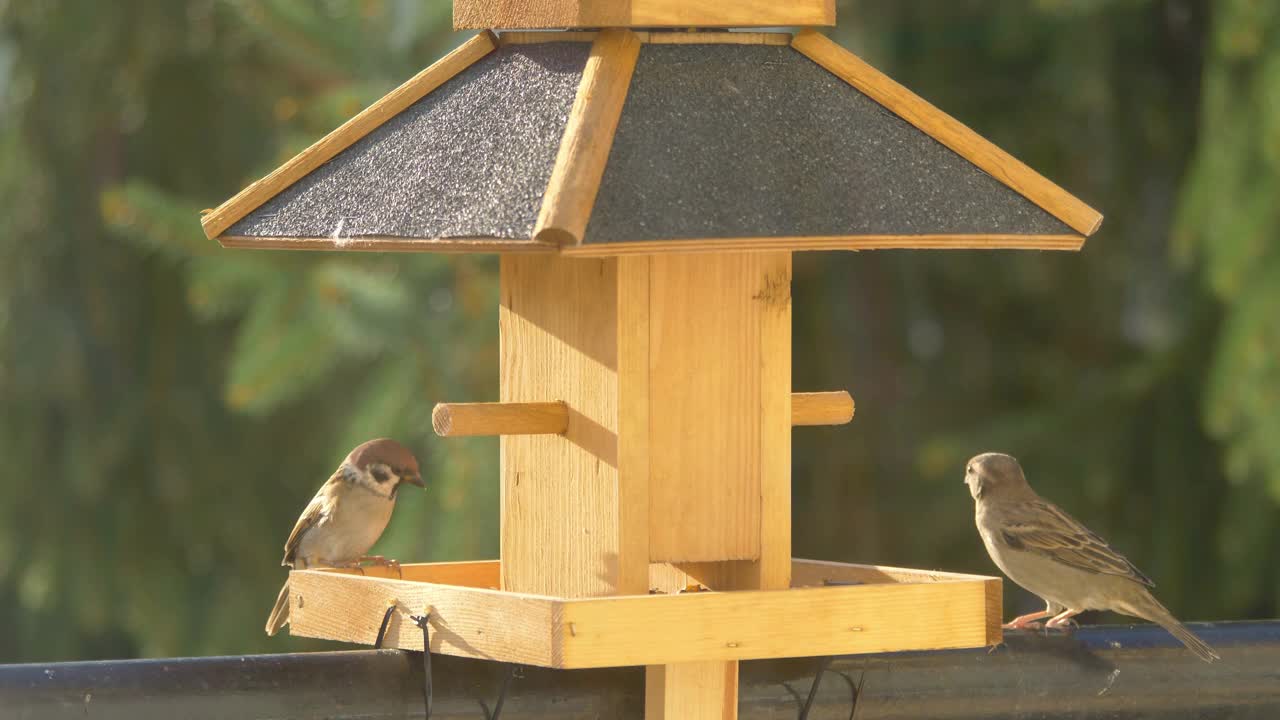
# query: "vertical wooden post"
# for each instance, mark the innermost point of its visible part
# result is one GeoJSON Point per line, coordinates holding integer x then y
{"type": "Point", "coordinates": [635, 413]}
{"type": "Point", "coordinates": [691, 691]}
{"type": "Point", "coordinates": [676, 371]}
{"type": "Point", "coordinates": [719, 435]}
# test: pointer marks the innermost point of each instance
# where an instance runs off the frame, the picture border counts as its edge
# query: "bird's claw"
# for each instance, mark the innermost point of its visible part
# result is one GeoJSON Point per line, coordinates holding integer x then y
{"type": "Point", "coordinates": [1027, 625]}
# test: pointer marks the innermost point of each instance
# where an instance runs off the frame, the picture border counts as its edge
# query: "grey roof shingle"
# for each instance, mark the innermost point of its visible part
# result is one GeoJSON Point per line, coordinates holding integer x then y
{"type": "Point", "coordinates": [470, 159]}
{"type": "Point", "coordinates": [732, 141]}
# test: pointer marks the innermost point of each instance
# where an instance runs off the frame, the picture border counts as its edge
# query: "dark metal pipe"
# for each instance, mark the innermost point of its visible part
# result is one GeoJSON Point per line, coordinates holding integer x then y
{"type": "Point", "coordinates": [352, 684]}
{"type": "Point", "coordinates": [1113, 672]}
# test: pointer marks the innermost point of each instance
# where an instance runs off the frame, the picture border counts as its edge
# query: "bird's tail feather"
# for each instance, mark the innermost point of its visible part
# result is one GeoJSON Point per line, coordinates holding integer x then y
{"type": "Point", "coordinates": [280, 613]}
{"type": "Point", "coordinates": [1157, 613]}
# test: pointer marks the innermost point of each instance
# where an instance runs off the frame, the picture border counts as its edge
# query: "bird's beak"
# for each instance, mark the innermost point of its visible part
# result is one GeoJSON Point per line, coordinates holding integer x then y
{"type": "Point", "coordinates": [414, 479]}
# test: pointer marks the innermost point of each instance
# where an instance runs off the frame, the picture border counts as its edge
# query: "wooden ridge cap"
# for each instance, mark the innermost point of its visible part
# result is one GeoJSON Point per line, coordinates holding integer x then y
{"type": "Point", "coordinates": [588, 138]}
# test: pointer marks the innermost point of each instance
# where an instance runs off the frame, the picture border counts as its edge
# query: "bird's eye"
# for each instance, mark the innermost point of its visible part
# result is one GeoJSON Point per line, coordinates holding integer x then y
{"type": "Point", "coordinates": [380, 473]}
{"type": "Point", "coordinates": [969, 470]}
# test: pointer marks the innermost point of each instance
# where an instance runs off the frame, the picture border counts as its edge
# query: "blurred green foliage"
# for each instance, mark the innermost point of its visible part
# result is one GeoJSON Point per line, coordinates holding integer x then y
{"type": "Point", "coordinates": [169, 407]}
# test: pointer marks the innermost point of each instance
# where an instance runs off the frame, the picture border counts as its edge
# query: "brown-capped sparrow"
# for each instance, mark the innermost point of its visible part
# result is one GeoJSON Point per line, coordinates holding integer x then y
{"type": "Point", "coordinates": [1052, 555]}
{"type": "Point", "coordinates": [347, 515]}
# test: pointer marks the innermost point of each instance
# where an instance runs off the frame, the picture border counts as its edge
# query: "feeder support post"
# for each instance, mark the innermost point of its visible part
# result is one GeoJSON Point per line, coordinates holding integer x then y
{"type": "Point", "coordinates": [674, 467]}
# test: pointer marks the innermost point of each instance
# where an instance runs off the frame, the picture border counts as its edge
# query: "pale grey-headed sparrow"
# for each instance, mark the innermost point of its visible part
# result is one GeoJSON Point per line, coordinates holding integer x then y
{"type": "Point", "coordinates": [1052, 555]}
{"type": "Point", "coordinates": [347, 515]}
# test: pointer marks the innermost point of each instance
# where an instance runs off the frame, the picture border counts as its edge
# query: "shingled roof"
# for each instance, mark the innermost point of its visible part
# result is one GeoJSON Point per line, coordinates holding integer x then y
{"type": "Point", "coordinates": [632, 142]}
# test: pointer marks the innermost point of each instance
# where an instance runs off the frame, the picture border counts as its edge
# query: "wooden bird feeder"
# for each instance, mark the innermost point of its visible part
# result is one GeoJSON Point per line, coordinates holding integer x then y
{"type": "Point", "coordinates": [646, 190]}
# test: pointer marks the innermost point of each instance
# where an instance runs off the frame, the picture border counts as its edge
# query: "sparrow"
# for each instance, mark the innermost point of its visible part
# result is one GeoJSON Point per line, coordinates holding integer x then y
{"type": "Point", "coordinates": [1050, 554]}
{"type": "Point", "coordinates": [347, 515]}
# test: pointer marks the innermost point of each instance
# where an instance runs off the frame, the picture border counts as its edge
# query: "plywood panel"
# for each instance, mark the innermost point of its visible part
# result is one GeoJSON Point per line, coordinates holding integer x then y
{"type": "Point", "coordinates": [720, 408]}
{"type": "Point", "coordinates": [560, 494]}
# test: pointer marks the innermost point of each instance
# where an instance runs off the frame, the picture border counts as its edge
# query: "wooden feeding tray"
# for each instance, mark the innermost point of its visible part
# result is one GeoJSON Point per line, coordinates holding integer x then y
{"type": "Point", "coordinates": [888, 609]}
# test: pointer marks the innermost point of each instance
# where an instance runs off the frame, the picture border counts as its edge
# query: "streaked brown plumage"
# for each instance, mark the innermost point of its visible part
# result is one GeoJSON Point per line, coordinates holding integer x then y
{"type": "Point", "coordinates": [347, 515]}
{"type": "Point", "coordinates": [1051, 554]}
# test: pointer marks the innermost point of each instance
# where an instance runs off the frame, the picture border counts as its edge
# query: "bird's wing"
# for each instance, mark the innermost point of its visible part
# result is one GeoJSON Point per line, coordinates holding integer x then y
{"type": "Point", "coordinates": [317, 512]}
{"type": "Point", "coordinates": [1043, 528]}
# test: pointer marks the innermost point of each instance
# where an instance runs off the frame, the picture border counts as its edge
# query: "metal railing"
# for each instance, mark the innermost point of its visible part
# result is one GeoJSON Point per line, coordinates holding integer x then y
{"type": "Point", "coordinates": [1111, 672]}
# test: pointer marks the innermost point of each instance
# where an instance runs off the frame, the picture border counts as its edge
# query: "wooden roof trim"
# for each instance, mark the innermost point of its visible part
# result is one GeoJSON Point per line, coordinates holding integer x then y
{"type": "Point", "coordinates": [643, 247]}
{"type": "Point", "coordinates": [324, 150]}
{"type": "Point", "coordinates": [716, 38]}
{"type": "Point", "coordinates": [389, 244]}
{"type": "Point", "coordinates": [534, 37]}
{"type": "Point", "coordinates": [505, 14]}
{"type": "Point", "coordinates": [537, 37]}
{"type": "Point", "coordinates": [833, 242]}
{"type": "Point", "coordinates": [948, 131]}
{"type": "Point", "coordinates": [588, 137]}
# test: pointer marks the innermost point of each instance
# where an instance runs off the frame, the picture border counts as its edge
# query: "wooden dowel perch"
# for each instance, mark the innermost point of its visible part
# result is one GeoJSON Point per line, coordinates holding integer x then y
{"type": "Point", "coordinates": [468, 419]}
{"type": "Point", "coordinates": [821, 408]}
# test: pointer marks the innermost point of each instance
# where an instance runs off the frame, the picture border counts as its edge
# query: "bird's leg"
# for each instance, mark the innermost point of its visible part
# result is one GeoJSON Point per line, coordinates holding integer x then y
{"type": "Point", "coordinates": [381, 561]}
{"type": "Point", "coordinates": [1023, 622]}
{"type": "Point", "coordinates": [1062, 619]}
{"type": "Point", "coordinates": [355, 565]}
